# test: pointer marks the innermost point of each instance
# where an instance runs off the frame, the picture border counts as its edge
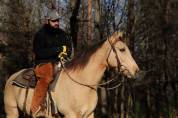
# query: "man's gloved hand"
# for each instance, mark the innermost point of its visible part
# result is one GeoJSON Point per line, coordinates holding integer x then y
{"type": "Point", "coordinates": [63, 54]}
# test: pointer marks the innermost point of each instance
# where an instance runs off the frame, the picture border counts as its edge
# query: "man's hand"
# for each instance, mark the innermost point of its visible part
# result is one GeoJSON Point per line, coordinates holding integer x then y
{"type": "Point", "coordinates": [63, 54]}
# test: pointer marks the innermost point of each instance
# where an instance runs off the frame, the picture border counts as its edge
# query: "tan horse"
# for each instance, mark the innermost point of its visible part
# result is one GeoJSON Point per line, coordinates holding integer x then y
{"type": "Point", "coordinates": [74, 100]}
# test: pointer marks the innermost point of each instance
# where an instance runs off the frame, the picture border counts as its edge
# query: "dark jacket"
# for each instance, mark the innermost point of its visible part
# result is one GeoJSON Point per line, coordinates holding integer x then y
{"type": "Point", "coordinates": [48, 44]}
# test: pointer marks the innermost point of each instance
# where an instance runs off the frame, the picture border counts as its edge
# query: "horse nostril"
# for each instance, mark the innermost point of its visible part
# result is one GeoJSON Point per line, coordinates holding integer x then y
{"type": "Point", "coordinates": [137, 70]}
{"type": "Point", "coordinates": [140, 75]}
{"type": "Point", "coordinates": [137, 73]}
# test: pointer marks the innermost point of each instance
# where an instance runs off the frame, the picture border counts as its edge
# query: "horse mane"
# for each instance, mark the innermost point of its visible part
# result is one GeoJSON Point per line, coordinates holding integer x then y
{"type": "Point", "coordinates": [82, 58]}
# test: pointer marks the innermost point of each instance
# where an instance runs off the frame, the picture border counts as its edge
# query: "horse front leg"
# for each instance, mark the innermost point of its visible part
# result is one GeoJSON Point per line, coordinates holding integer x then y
{"type": "Point", "coordinates": [73, 115]}
{"type": "Point", "coordinates": [91, 115]}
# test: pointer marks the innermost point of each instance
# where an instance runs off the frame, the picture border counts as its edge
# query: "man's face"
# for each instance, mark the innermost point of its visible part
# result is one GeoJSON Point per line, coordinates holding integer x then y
{"type": "Point", "coordinates": [54, 23]}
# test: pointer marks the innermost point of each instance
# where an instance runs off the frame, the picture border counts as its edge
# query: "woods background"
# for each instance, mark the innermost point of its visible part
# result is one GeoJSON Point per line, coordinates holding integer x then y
{"type": "Point", "coordinates": [151, 32]}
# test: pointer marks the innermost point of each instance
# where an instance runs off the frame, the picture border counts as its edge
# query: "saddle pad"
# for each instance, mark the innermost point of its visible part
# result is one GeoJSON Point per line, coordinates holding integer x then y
{"type": "Point", "coordinates": [26, 79]}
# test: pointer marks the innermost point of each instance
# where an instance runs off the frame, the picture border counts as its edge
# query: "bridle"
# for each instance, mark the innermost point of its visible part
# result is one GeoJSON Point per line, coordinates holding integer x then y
{"type": "Point", "coordinates": [92, 86]}
{"type": "Point", "coordinates": [115, 52]}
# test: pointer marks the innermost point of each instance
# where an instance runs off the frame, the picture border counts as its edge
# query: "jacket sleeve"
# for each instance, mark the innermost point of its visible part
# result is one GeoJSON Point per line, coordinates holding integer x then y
{"type": "Point", "coordinates": [39, 47]}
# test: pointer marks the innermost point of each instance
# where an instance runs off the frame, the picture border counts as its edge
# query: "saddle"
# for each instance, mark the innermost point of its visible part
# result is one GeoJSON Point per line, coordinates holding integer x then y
{"type": "Point", "coordinates": [27, 79]}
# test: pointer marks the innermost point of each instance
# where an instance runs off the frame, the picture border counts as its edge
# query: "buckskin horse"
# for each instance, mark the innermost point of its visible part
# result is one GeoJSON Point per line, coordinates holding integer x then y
{"type": "Point", "coordinates": [75, 93]}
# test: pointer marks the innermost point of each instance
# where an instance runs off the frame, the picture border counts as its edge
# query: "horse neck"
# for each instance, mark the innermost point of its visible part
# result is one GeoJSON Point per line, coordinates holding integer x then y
{"type": "Point", "coordinates": [97, 64]}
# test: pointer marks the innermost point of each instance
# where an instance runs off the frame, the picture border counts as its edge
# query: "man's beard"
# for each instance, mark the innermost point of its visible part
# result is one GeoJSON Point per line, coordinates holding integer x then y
{"type": "Point", "coordinates": [56, 26]}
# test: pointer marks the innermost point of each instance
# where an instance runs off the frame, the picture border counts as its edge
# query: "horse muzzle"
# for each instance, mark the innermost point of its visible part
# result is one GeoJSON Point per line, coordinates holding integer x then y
{"type": "Point", "coordinates": [139, 75]}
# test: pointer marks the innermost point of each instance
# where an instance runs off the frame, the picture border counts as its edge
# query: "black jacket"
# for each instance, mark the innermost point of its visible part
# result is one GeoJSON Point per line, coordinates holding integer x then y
{"type": "Point", "coordinates": [48, 44]}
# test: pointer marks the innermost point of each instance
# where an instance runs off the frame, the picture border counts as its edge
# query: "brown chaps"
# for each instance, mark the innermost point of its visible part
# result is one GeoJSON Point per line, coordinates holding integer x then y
{"type": "Point", "coordinates": [44, 74]}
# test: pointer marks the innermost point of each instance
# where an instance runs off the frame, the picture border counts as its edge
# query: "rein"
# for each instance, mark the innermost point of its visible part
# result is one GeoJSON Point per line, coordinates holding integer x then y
{"type": "Point", "coordinates": [116, 55]}
{"type": "Point", "coordinates": [92, 86]}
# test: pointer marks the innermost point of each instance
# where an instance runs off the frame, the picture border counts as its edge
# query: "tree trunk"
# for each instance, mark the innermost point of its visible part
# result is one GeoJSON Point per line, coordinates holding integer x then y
{"type": "Point", "coordinates": [73, 21]}
{"type": "Point", "coordinates": [98, 33]}
{"type": "Point", "coordinates": [89, 22]}
{"type": "Point", "coordinates": [130, 24]}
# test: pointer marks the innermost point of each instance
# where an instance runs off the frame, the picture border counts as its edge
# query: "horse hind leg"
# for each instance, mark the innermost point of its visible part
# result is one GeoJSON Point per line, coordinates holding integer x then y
{"type": "Point", "coordinates": [11, 110]}
{"type": "Point", "coordinates": [10, 103]}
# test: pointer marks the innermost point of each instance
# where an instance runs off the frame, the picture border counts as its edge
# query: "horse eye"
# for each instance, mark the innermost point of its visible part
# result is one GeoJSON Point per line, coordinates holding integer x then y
{"type": "Point", "coordinates": [122, 49]}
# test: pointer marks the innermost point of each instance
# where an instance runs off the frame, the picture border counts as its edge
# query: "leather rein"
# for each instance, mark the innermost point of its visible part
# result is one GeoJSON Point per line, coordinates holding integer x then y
{"type": "Point", "coordinates": [92, 86]}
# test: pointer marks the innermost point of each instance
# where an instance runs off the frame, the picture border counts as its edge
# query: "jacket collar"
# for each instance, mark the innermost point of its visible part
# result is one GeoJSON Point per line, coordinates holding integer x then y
{"type": "Point", "coordinates": [50, 29]}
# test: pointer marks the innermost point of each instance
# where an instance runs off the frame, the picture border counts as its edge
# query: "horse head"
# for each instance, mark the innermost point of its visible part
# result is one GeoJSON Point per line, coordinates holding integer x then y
{"type": "Point", "coordinates": [120, 56]}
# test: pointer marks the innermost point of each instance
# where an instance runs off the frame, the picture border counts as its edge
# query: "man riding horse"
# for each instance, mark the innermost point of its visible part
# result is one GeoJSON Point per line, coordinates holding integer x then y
{"type": "Point", "coordinates": [50, 44]}
{"type": "Point", "coordinates": [75, 92]}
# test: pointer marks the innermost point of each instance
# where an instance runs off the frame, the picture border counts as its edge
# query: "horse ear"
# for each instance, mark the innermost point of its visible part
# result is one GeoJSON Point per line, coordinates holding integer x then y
{"type": "Point", "coordinates": [116, 36]}
{"type": "Point", "coordinates": [120, 36]}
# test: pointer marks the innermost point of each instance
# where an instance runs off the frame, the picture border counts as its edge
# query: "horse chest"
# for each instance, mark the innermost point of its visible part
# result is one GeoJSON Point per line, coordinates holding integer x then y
{"type": "Point", "coordinates": [88, 103]}
{"type": "Point", "coordinates": [83, 102]}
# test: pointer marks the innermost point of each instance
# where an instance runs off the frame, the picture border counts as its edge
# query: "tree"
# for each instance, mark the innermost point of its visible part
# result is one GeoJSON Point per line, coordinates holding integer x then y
{"type": "Point", "coordinates": [73, 21]}
{"type": "Point", "coordinates": [89, 21]}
